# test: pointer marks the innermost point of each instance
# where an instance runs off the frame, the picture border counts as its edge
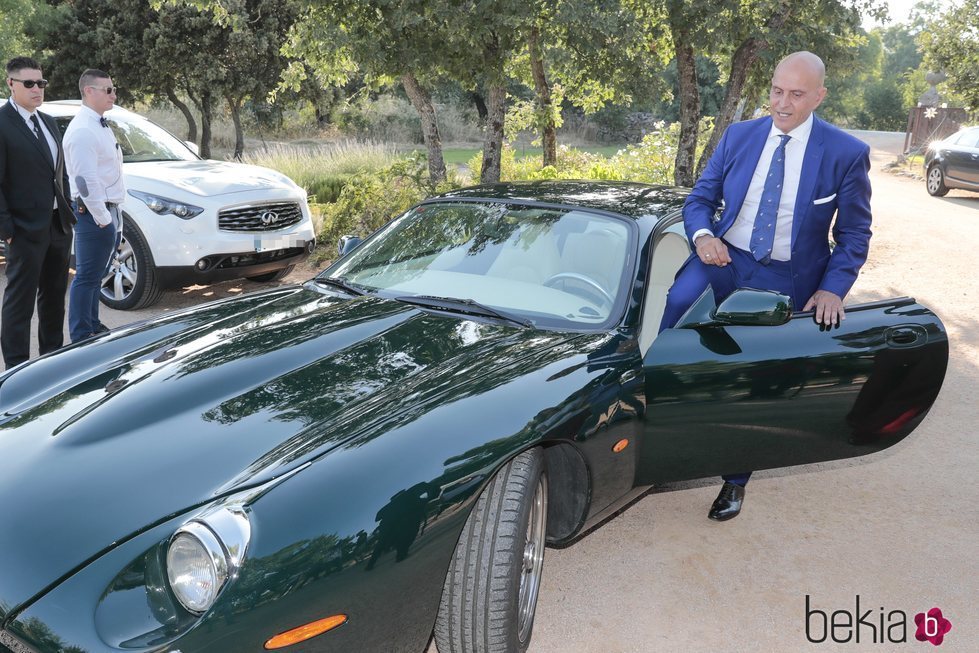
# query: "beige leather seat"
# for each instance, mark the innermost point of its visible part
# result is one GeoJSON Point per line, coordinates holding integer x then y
{"type": "Point", "coordinates": [529, 259]}
{"type": "Point", "coordinates": [670, 253]}
{"type": "Point", "coordinates": [597, 254]}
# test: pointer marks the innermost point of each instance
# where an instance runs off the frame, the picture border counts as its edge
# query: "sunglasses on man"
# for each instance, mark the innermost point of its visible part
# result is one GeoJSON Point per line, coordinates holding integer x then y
{"type": "Point", "coordinates": [109, 90]}
{"type": "Point", "coordinates": [31, 83]}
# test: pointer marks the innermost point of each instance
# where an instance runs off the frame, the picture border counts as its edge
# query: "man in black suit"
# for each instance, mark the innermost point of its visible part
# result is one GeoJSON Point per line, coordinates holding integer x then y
{"type": "Point", "coordinates": [35, 217]}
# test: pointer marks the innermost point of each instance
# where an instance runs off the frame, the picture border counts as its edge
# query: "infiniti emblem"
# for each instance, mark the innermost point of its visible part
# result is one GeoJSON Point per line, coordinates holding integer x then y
{"type": "Point", "coordinates": [270, 217]}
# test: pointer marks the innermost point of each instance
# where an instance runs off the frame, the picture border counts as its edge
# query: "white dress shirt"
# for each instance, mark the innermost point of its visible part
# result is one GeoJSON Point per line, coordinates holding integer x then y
{"type": "Point", "coordinates": [94, 163]}
{"type": "Point", "coordinates": [739, 235]}
{"type": "Point", "coordinates": [52, 144]}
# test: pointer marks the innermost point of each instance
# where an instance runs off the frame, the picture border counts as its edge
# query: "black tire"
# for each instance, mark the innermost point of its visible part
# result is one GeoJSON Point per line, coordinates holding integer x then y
{"type": "Point", "coordinates": [131, 282]}
{"type": "Point", "coordinates": [272, 276]}
{"type": "Point", "coordinates": [490, 591]}
{"type": "Point", "coordinates": [935, 181]}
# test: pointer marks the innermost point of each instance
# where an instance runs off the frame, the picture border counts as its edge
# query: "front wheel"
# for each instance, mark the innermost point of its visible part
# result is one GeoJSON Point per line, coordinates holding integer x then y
{"type": "Point", "coordinates": [131, 282]}
{"type": "Point", "coordinates": [936, 182]}
{"type": "Point", "coordinates": [490, 593]}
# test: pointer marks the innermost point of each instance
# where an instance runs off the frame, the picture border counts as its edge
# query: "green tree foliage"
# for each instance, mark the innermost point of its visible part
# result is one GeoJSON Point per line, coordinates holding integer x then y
{"type": "Point", "coordinates": [951, 44]}
{"type": "Point", "coordinates": [15, 16]}
{"type": "Point", "coordinates": [883, 106]}
{"type": "Point", "coordinates": [175, 50]}
{"type": "Point", "coordinates": [749, 36]}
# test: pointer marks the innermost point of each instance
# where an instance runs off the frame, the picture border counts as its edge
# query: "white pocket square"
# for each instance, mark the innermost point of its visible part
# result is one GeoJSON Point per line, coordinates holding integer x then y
{"type": "Point", "coordinates": [823, 200]}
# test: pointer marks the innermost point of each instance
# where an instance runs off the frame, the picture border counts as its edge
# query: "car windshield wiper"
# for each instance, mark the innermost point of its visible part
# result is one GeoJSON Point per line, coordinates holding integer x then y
{"type": "Point", "coordinates": [465, 306]}
{"type": "Point", "coordinates": [341, 283]}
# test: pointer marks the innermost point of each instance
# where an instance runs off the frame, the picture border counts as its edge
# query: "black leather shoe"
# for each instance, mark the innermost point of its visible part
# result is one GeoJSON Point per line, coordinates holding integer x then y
{"type": "Point", "coordinates": [727, 505]}
{"type": "Point", "coordinates": [101, 328]}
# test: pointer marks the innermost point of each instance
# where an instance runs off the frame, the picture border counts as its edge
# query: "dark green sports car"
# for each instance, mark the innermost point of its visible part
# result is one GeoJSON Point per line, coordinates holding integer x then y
{"type": "Point", "coordinates": [381, 453]}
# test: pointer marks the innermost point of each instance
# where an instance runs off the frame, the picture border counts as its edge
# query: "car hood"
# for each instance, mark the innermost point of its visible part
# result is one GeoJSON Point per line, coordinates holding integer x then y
{"type": "Point", "coordinates": [207, 178]}
{"type": "Point", "coordinates": [102, 440]}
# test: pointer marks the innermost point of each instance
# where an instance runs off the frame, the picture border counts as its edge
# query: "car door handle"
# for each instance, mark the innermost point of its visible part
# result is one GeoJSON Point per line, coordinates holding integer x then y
{"type": "Point", "coordinates": [905, 336]}
{"type": "Point", "coordinates": [628, 375]}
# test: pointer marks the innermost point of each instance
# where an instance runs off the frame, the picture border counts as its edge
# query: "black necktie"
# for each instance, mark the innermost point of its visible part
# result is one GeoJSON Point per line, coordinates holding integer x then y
{"type": "Point", "coordinates": [37, 126]}
{"type": "Point", "coordinates": [103, 122]}
{"type": "Point", "coordinates": [43, 141]}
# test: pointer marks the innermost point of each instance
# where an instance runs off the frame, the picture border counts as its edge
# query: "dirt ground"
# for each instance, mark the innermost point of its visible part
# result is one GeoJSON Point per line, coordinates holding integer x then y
{"type": "Point", "coordinates": [897, 529]}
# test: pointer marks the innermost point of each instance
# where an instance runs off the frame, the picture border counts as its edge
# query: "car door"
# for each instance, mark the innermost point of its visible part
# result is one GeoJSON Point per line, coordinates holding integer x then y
{"type": "Point", "coordinates": [962, 158]}
{"type": "Point", "coordinates": [741, 396]}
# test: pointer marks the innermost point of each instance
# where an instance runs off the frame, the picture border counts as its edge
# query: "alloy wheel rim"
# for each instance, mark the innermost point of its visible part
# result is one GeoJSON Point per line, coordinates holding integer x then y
{"type": "Point", "coordinates": [934, 177]}
{"type": "Point", "coordinates": [120, 280]}
{"type": "Point", "coordinates": [532, 562]}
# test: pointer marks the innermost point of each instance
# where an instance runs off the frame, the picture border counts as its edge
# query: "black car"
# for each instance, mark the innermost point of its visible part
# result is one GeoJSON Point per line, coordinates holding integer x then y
{"type": "Point", "coordinates": [953, 162]}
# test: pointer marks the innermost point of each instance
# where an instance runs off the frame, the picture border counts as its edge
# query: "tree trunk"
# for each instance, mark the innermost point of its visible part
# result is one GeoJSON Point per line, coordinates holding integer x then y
{"type": "Point", "coordinates": [493, 141]}
{"type": "Point", "coordinates": [316, 95]}
{"type": "Point", "coordinates": [206, 106]}
{"type": "Point", "coordinates": [481, 109]}
{"type": "Point", "coordinates": [421, 99]}
{"type": "Point", "coordinates": [544, 102]}
{"type": "Point", "coordinates": [235, 105]}
{"type": "Point", "coordinates": [744, 58]}
{"type": "Point", "coordinates": [686, 152]}
{"type": "Point", "coordinates": [188, 114]}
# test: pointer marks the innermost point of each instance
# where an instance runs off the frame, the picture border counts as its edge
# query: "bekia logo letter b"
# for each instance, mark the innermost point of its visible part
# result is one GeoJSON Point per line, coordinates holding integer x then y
{"type": "Point", "coordinates": [932, 626]}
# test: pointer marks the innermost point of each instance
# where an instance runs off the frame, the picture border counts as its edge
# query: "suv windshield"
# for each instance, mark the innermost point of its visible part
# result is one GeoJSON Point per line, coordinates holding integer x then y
{"type": "Point", "coordinates": [141, 140]}
{"type": "Point", "coordinates": [555, 268]}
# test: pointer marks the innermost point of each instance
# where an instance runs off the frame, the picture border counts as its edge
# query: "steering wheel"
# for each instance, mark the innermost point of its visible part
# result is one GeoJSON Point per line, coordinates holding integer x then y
{"type": "Point", "coordinates": [588, 281]}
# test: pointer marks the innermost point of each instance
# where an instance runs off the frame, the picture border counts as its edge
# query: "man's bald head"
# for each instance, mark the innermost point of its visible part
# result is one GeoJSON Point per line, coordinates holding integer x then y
{"type": "Point", "coordinates": [797, 89]}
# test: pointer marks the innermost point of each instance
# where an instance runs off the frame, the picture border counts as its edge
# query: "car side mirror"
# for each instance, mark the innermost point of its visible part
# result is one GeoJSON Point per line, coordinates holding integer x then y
{"type": "Point", "coordinates": [750, 307]}
{"type": "Point", "coordinates": [193, 147]}
{"type": "Point", "coordinates": [348, 243]}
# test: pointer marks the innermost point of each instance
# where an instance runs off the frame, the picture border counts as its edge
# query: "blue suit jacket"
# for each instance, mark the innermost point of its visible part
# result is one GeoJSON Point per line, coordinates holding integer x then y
{"type": "Point", "coordinates": [834, 181]}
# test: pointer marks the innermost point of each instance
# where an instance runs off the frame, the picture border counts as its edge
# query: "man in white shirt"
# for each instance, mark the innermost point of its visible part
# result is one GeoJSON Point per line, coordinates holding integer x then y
{"type": "Point", "coordinates": [35, 219]}
{"type": "Point", "coordinates": [94, 162]}
{"type": "Point", "coordinates": [760, 215]}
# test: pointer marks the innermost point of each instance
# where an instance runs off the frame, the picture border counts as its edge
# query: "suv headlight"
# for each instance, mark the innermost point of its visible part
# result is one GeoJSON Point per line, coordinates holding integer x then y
{"type": "Point", "coordinates": [163, 205]}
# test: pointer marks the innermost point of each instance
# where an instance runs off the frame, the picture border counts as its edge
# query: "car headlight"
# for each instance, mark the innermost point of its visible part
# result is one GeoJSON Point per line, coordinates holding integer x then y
{"type": "Point", "coordinates": [163, 205]}
{"type": "Point", "coordinates": [197, 567]}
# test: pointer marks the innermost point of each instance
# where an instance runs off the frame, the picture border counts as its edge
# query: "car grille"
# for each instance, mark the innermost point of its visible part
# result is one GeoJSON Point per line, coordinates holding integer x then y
{"type": "Point", "coordinates": [260, 217]}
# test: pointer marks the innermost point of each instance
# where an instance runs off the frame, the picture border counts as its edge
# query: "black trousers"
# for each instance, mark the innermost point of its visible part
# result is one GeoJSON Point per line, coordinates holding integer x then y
{"type": "Point", "coordinates": [37, 272]}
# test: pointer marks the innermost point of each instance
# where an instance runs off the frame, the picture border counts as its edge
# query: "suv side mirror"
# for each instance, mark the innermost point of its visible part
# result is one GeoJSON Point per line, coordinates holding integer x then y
{"type": "Point", "coordinates": [348, 243]}
{"type": "Point", "coordinates": [750, 307]}
{"type": "Point", "coordinates": [193, 147]}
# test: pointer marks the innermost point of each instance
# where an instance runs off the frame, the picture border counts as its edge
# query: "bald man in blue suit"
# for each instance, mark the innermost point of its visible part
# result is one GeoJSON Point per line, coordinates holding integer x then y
{"type": "Point", "coordinates": [778, 182]}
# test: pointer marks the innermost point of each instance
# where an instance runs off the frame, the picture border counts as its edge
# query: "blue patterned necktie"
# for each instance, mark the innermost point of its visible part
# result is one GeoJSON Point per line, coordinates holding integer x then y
{"type": "Point", "coordinates": [763, 232]}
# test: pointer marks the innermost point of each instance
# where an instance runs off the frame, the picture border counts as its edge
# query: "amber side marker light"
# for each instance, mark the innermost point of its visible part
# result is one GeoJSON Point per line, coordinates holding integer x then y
{"type": "Point", "coordinates": [303, 633]}
{"type": "Point", "coordinates": [620, 445]}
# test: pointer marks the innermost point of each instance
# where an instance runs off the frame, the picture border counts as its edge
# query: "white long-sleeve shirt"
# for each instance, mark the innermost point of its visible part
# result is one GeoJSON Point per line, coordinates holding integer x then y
{"type": "Point", "coordinates": [93, 159]}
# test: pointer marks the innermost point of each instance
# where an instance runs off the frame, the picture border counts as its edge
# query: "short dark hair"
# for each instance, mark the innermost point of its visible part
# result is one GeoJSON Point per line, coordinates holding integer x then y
{"type": "Point", "coordinates": [90, 76]}
{"type": "Point", "coordinates": [20, 63]}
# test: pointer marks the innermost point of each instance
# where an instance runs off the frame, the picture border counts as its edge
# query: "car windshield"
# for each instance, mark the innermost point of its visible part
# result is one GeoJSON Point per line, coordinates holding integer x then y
{"type": "Point", "coordinates": [550, 267]}
{"type": "Point", "coordinates": [141, 140]}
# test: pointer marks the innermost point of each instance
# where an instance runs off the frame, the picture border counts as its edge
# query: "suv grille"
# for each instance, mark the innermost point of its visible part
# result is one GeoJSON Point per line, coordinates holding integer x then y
{"type": "Point", "coordinates": [262, 217]}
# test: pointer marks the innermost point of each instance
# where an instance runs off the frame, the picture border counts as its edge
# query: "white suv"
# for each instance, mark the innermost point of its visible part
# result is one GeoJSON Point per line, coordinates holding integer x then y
{"type": "Point", "coordinates": [189, 220]}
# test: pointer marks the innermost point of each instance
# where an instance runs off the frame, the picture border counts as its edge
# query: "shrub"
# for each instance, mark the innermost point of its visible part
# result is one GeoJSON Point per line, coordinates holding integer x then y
{"type": "Point", "coordinates": [370, 198]}
{"type": "Point", "coordinates": [649, 161]}
{"type": "Point", "coordinates": [324, 170]}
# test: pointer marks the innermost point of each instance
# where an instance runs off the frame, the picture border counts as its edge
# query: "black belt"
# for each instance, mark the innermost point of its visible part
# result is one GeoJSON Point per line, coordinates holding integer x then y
{"type": "Point", "coordinates": [82, 208]}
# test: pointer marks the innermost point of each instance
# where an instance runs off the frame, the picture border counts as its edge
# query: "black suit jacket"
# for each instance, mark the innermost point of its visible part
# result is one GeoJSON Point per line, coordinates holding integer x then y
{"type": "Point", "coordinates": [28, 183]}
